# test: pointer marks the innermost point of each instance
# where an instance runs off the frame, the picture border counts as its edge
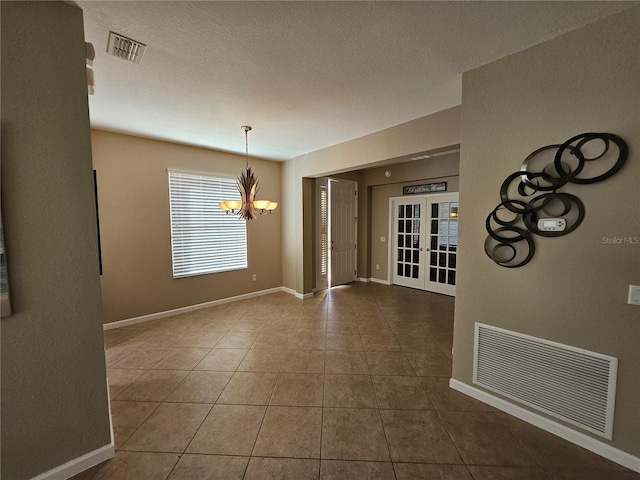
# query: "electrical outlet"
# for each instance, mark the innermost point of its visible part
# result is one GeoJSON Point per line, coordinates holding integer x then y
{"type": "Point", "coordinates": [634, 295]}
{"type": "Point", "coordinates": [377, 266]}
{"type": "Point", "coordinates": [253, 277]}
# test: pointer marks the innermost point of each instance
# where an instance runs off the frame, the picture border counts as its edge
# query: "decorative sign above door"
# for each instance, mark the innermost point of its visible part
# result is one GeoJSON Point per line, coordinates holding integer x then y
{"type": "Point", "coordinates": [426, 188]}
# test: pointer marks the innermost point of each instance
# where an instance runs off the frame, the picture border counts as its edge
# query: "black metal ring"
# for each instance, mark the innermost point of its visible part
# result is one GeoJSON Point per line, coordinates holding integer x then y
{"type": "Point", "coordinates": [522, 235]}
{"type": "Point", "coordinates": [584, 138]}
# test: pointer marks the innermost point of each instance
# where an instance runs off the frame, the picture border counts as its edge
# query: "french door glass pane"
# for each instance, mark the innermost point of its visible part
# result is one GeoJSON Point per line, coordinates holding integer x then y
{"type": "Point", "coordinates": [444, 210]}
{"type": "Point", "coordinates": [452, 277]}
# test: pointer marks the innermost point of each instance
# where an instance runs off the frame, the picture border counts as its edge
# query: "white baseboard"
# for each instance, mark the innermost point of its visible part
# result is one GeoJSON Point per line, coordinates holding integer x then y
{"type": "Point", "coordinates": [378, 280]}
{"type": "Point", "coordinates": [291, 291]}
{"type": "Point", "coordinates": [79, 465]}
{"type": "Point", "coordinates": [596, 446]}
{"type": "Point", "coordinates": [363, 280]}
{"type": "Point", "coordinates": [191, 308]}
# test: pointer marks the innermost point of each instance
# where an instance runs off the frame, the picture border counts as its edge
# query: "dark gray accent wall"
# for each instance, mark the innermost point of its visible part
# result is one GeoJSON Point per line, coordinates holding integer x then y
{"type": "Point", "coordinates": [54, 392]}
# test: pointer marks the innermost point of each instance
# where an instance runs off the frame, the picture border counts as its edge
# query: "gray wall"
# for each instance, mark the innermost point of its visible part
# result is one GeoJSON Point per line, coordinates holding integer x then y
{"type": "Point", "coordinates": [54, 392]}
{"type": "Point", "coordinates": [574, 291]}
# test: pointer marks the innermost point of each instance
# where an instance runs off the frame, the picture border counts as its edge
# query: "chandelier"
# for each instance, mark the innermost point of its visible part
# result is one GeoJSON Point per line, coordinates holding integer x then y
{"type": "Point", "coordinates": [248, 207]}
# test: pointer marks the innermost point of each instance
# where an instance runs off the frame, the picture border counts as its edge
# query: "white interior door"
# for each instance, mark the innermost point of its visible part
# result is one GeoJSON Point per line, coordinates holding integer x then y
{"type": "Point", "coordinates": [342, 214]}
{"type": "Point", "coordinates": [425, 242]}
{"type": "Point", "coordinates": [408, 242]}
{"type": "Point", "coordinates": [442, 247]}
{"type": "Point", "coordinates": [322, 234]}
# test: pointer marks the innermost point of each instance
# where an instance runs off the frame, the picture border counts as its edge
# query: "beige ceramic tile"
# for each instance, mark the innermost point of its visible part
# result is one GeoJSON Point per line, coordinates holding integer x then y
{"type": "Point", "coordinates": [222, 359]}
{"type": "Point", "coordinates": [249, 324]}
{"type": "Point", "coordinates": [209, 467]}
{"type": "Point", "coordinates": [349, 391]}
{"type": "Point", "coordinates": [262, 360]}
{"type": "Point", "coordinates": [552, 451]}
{"type": "Point", "coordinates": [513, 473]}
{"type": "Point", "coordinates": [117, 353]}
{"type": "Point", "coordinates": [430, 364]}
{"type": "Point", "coordinates": [277, 340]}
{"type": "Point", "coordinates": [307, 341]}
{"type": "Point", "coordinates": [298, 389]}
{"type": "Point", "coordinates": [303, 361]}
{"type": "Point", "coordinates": [120, 378]}
{"type": "Point", "coordinates": [410, 343]}
{"type": "Point", "coordinates": [143, 358]}
{"type": "Point", "coordinates": [201, 339]}
{"type": "Point", "coordinates": [127, 417]}
{"type": "Point", "coordinates": [290, 432]}
{"type": "Point", "coordinates": [445, 398]}
{"type": "Point", "coordinates": [389, 363]}
{"type": "Point", "coordinates": [344, 328]}
{"type": "Point", "coordinates": [400, 392]}
{"type": "Point", "coordinates": [182, 359]}
{"type": "Point", "coordinates": [237, 340]}
{"type": "Point", "coordinates": [138, 465]}
{"type": "Point", "coordinates": [412, 471]}
{"type": "Point", "coordinates": [350, 470]}
{"type": "Point", "coordinates": [418, 436]}
{"type": "Point", "coordinates": [169, 428]}
{"type": "Point", "coordinates": [282, 469]}
{"type": "Point", "coordinates": [353, 434]}
{"type": "Point", "coordinates": [483, 439]}
{"type": "Point", "coordinates": [249, 388]}
{"type": "Point", "coordinates": [200, 387]}
{"type": "Point", "coordinates": [228, 430]}
{"type": "Point", "coordinates": [380, 343]}
{"type": "Point", "coordinates": [153, 385]}
{"type": "Point", "coordinates": [346, 362]}
{"type": "Point", "coordinates": [341, 341]}
{"type": "Point", "coordinates": [442, 326]}
{"type": "Point", "coordinates": [379, 327]}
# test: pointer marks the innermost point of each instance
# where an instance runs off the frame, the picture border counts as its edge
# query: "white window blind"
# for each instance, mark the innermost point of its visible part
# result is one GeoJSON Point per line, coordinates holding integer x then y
{"type": "Point", "coordinates": [204, 239]}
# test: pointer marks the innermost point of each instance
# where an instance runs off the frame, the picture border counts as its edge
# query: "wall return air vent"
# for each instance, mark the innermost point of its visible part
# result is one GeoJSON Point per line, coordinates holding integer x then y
{"type": "Point", "coordinates": [125, 48]}
{"type": "Point", "coordinates": [574, 385]}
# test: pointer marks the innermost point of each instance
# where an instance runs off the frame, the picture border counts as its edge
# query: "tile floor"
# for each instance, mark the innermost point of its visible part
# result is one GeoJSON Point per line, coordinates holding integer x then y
{"type": "Point", "coordinates": [351, 384]}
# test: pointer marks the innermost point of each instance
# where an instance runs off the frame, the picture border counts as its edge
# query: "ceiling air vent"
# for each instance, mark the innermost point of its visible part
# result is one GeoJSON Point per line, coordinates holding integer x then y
{"type": "Point", "coordinates": [125, 48]}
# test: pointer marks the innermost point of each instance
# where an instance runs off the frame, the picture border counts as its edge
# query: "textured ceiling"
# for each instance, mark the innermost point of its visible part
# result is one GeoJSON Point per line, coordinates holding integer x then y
{"type": "Point", "coordinates": [305, 75]}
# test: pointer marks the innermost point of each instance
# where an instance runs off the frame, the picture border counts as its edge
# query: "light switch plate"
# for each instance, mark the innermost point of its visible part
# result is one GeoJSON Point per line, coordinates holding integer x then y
{"type": "Point", "coordinates": [634, 295]}
{"type": "Point", "coordinates": [382, 239]}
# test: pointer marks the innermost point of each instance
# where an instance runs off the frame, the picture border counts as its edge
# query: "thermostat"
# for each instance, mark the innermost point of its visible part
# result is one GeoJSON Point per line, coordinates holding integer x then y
{"type": "Point", "coordinates": [552, 224]}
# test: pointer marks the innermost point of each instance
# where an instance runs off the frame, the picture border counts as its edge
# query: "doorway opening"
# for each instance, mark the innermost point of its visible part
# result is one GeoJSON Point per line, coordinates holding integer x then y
{"type": "Point", "coordinates": [336, 227]}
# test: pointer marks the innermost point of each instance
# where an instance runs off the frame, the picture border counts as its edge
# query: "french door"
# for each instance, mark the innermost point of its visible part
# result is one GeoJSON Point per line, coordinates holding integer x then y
{"type": "Point", "coordinates": [425, 242]}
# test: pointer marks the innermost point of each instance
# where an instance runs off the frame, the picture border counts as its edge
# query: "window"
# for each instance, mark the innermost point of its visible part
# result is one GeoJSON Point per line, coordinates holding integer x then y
{"type": "Point", "coordinates": [204, 239]}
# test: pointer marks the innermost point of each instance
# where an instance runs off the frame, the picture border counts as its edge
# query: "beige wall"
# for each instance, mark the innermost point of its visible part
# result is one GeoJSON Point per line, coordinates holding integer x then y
{"type": "Point", "coordinates": [133, 197]}
{"type": "Point", "coordinates": [436, 131]}
{"type": "Point", "coordinates": [54, 392]}
{"type": "Point", "coordinates": [574, 291]}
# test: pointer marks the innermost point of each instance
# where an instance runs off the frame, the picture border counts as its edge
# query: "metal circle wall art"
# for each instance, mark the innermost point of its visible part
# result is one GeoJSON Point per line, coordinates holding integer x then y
{"type": "Point", "coordinates": [530, 195]}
